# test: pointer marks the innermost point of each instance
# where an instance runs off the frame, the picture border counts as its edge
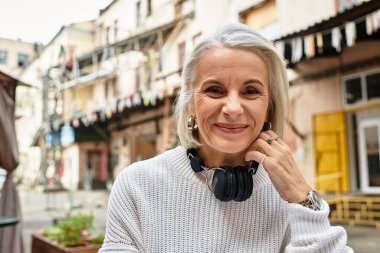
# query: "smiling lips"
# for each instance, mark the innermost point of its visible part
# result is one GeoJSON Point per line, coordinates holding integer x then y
{"type": "Point", "coordinates": [231, 128]}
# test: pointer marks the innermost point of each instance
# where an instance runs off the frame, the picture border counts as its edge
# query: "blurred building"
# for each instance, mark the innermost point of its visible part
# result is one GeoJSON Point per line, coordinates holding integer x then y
{"type": "Point", "coordinates": [15, 55]}
{"type": "Point", "coordinates": [118, 109]}
{"type": "Point", "coordinates": [334, 66]}
{"type": "Point", "coordinates": [37, 107]}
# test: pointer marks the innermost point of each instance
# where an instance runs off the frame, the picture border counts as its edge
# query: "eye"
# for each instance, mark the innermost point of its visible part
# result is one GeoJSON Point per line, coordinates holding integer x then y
{"type": "Point", "coordinates": [251, 92]}
{"type": "Point", "coordinates": [215, 91]}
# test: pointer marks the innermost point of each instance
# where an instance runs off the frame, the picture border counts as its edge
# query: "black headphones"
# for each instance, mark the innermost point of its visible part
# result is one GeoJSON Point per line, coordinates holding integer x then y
{"type": "Point", "coordinates": [227, 183]}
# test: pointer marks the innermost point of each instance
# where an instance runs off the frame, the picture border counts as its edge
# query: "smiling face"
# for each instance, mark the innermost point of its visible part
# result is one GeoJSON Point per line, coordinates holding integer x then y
{"type": "Point", "coordinates": [230, 100]}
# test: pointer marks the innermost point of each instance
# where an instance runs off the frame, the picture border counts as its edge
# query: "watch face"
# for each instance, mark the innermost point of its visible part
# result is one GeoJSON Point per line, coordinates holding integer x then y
{"type": "Point", "coordinates": [316, 198]}
{"type": "Point", "coordinates": [313, 201]}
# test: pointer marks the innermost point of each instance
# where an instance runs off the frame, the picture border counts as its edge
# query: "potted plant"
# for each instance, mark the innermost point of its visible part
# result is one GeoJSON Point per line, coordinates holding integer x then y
{"type": "Point", "coordinates": [69, 235]}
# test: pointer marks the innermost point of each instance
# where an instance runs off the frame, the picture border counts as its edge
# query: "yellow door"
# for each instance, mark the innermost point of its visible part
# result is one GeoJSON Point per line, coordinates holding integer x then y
{"type": "Point", "coordinates": [331, 152]}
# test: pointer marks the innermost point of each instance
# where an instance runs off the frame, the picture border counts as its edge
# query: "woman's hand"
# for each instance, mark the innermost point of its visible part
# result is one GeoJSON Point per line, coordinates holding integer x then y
{"type": "Point", "coordinates": [280, 166]}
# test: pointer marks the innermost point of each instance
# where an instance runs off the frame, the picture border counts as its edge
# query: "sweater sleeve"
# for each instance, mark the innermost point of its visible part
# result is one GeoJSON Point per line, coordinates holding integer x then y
{"type": "Point", "coordinates": [310, 231]}
{"type": "Point", "coordinates": [123, 231]}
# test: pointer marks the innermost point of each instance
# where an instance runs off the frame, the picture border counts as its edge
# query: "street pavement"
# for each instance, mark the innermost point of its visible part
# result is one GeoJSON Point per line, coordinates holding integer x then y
{"type": "Point", "coordinates": [40, 209]}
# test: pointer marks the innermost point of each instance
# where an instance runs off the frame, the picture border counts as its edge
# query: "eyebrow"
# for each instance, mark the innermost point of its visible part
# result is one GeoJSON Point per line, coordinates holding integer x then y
{"type": "Point", "coordinates": [253, 81]}
{"type": "Point", "coordinates": [212, 81]}
{"type": "Point", "coordinates": [250, 81]}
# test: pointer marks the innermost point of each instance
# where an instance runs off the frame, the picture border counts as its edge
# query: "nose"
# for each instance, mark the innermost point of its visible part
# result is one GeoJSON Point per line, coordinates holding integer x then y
{"type": "Point", "coordinates": [232, 106]}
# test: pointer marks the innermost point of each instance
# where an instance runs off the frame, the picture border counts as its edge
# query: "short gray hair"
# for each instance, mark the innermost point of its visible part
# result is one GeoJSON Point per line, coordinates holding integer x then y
{"type": "Point", "coordinates": [240, 36]}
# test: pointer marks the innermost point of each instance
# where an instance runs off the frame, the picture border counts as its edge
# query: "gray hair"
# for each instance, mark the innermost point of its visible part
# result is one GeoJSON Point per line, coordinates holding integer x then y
{"type": "Point", "coordinates": [240, 36]}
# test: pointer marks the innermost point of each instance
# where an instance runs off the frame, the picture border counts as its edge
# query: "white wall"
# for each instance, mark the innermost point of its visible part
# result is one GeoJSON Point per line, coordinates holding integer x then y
{"type": "Point", "coordinates": [295, 15]}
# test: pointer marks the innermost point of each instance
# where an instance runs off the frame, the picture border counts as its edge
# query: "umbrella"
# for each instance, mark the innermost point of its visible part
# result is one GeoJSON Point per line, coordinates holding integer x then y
{"type": "Point", "coordinates": [10, 236]}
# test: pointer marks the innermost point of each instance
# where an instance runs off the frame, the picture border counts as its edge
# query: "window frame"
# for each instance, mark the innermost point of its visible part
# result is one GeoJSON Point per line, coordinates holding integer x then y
{"type": "Point", "coordinates": [148, 8]}
{"type": "Point", "coordinates": [25, 62]}
{"type": "Point", "coordinates": [138, 13]}
{"type": "Point", "coordinates": [5, 52]}
{"type": "Point", "coordinates": [363, 85]}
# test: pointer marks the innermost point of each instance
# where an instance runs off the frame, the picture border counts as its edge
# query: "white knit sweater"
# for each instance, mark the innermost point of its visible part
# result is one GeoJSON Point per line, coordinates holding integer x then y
{"type": "Point", "coordinates": [161, 205]}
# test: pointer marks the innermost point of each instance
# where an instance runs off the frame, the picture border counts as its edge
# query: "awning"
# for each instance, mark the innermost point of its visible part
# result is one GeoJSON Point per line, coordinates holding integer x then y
{"type": "Point", "coordinates": [329, 37]}
{"type": "Point", "coordinates": [9, 78]}
{"type": "Point", "coordinates": [8, 141]}
{"type": "Point", "coordinates": [337, 20]}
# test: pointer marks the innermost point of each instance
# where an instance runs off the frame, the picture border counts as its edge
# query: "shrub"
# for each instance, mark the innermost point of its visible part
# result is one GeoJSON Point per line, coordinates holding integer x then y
{"type": "Point", "coordinates": [74, 231]}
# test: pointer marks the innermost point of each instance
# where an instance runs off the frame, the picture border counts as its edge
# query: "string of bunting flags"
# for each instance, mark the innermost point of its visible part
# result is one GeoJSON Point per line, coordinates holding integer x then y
{"type": "Point", "coordinates": [312, 44]}
{"type": "Point", "coordinates": [114, 106]}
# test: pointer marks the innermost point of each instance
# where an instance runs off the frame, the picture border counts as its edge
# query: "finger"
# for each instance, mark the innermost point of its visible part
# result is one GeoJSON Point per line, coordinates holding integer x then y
{"type": "Point", "coordinates": [260, 158]}
{"type": "Point", "coordinates": [265, 147]}
{"type": "Point", "coordinates": [272, 143]}
{"type": "Point", "coordinates": [271, 137]}
{"type": "Point", "coordinates": [254, 156]}
{"type": "Point", "coordinates": [272, 133]}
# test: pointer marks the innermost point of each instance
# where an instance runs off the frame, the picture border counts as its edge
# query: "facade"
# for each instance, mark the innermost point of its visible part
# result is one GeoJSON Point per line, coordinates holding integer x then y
{"type": "Point", "coordinates": [39, 104]}
{"type": "Point", "coordinates": [15, 55]}
{"type": "Point", "coordinates": [118, 110]}
{"type": "Point", "coordinates": [335, 101]}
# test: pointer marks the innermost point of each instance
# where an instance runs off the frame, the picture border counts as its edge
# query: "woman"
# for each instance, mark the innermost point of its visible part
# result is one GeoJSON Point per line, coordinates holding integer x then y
{"type": "Point", "coordinates": [232, 185]}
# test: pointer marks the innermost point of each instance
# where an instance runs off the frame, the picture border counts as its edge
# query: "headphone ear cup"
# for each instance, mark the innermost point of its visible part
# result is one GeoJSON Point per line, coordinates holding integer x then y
{"type": "Point", "coordinates": [231, 185]}
{"type": "Point", "coordinates": [196, 164]}
{"type": "Point", "coordinates": [248, 185]}
{"type": "Point", "coordinates": [219, 184]}
{"type": "Point", "coordinates": [240, 186]}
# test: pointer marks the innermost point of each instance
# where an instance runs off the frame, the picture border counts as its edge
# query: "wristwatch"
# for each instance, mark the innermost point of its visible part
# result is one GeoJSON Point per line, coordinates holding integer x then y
{"type": "Point", "coordinates": [313, 201]}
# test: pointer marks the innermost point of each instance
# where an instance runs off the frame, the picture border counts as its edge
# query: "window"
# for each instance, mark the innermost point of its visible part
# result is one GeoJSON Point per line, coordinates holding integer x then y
{"type": "Point", "coordinates": [138, 12]}
{"type": "Point", "coordinates": [353, 90]}
{"type": "Point", "coordinates": [342, 5]}
{"type": "Point", "coordinates": [362, 88]}
{"type": "Point", "coordinates": [3, 57]}
{"type": "Point", "coordinates": [110, 89]}
{"type": "Point", "coordinates": [262, 16]}
{"type": "Point", "coordinates": [107, 35]}
{"type": "Point", "coordinates": [149, 7]}
{"type": "Point", "coordinates": [22, 60]}
{"type": "Point", "coordinates": [373, 86]}
{"type": "Point", "coordinates": [100, 34]}
{"type": "Point", "coordinates": [181, 53]}
{"type": "Point", "coordinates": [115, 29]}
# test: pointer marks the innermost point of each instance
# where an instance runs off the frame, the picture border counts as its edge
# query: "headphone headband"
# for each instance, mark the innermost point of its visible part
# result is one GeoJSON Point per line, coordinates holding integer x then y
{"type": "Point", "coordinates": [228, 183]}
{"type": "Point", "coordinates": [198, 165]}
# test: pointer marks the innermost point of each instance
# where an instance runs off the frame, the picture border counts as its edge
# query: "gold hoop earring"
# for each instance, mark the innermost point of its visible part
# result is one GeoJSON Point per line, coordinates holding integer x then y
{"type": "Point", "coordinates": [192, 124]}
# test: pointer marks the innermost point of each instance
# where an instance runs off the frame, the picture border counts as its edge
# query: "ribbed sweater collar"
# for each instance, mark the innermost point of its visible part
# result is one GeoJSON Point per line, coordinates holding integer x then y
{"type": "Point", "coordinates": [178, 161]}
